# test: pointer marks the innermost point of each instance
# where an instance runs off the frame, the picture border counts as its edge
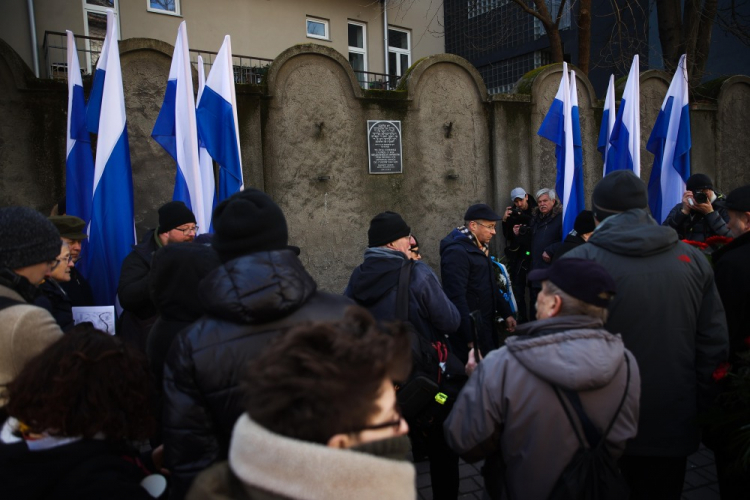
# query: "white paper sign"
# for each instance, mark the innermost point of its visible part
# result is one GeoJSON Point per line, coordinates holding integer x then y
{"type": "Point", "coordinates": [103, 317]}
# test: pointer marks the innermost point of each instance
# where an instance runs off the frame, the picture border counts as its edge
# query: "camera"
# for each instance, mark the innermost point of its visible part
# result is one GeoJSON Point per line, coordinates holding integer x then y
{"type": "Point", "coordinates": [700, 197]}
{"type": "Point", "coordinates": [517, 217]}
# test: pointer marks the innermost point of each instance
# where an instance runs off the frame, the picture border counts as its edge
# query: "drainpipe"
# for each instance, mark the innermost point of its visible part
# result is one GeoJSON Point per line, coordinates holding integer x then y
{"type": "Point", "coordinates": [32, 28]}
{"type": "Point", "coordinates": [385, 33]}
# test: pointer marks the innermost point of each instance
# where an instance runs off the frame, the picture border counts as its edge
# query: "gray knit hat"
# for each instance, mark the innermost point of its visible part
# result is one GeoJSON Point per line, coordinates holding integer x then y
{"type": "Point", "coordinates": [26, 238]}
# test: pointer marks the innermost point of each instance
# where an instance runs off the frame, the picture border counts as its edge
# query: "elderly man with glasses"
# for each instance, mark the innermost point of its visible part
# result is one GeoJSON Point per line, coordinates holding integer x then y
{"type": "Point", "coordinates": [176, 225]}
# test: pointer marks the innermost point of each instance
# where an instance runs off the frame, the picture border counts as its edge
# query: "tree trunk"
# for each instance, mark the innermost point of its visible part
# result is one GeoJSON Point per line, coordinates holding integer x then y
{"type": "Point", "coordinates": [584, 36]}
{"type": "Point", "coordinates": [670, 32]}
{"type": "Point", "coordinates": [703, 41]}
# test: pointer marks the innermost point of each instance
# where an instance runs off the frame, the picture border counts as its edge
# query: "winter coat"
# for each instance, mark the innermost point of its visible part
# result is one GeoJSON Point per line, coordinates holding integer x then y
{"type": "Point", "coordinates": [84, 469]}
{"type": "Point", "coordinates": [698, 227]}
{"type": "Point", "coordinates": [78, 289]}
{"type": "Point", "coordinates": [669, 314]}
{"type": "Point", "coordinates": [249, 301]}
{"type": "Point", "coordinates": [54, 299]}
{"type": "Point", "coordinates": [508, 411]}
{"type": "Point", "coordinates": [374, 285]}
{"type": "Point", "coordinates": [469, 282]}
{"type": "Point", "coordinates": [732, 268]}
{"type": "Point", "coordinates": [25, 331]}
{"type": "Point", "coordinates": [133, 291]}
{"type": "Point", "coordinates": [517, 247]}
{"type": "Point", "coordinates": [557, 250]}
{"type": "Point", "coordinates": [268, 466]}
{"type": "Point", "coordinates": [544, 231]}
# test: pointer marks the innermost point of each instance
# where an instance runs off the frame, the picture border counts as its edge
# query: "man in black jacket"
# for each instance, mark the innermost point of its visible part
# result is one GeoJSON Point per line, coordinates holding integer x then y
{"type": "Point", "coordinates": [260, 291]}
{"type": "Point", "coordinates": [469, 280]}
{"type": "Point", "coordinates": [518, 246]}
{"type": "Point", "coordinates": [176, 225]}
{"type": "Point", "coordinates": [544, 230]}
{"type": "Point", "coordinates": [698, 216]}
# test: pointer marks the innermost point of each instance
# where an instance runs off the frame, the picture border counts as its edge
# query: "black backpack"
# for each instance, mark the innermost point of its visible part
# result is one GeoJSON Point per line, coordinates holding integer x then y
{"type": "Point", "coordinates": [592, 473]}
{"type": "Point", "coordinates": [427, 396]}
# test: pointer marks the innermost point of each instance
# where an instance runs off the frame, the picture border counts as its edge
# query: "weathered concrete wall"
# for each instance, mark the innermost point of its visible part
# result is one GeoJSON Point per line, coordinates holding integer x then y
{"type": "Point", "coordinates": [303, 136]}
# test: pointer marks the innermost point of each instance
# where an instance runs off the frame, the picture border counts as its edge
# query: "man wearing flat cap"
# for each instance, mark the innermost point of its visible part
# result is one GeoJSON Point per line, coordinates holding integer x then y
{"type": "Point", "coordinates": [670, 316]}
{"type": "Point", "coordinates": [469, 279]}
{"type": "Point", "coordinates": [29, 246]}
{"type": "Point", "coordinates": [509, 413]}
{"type": "Point", "coordinates": [176, 225]}
{"type": "Point", "coordinates": [72, 232]}
{"type": "Point", "coordinates": [698, 216]}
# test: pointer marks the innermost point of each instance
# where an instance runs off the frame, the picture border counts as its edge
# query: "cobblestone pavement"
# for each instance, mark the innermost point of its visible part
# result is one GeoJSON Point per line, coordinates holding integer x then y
{"type": "Point", "coordinates": [700, 479]}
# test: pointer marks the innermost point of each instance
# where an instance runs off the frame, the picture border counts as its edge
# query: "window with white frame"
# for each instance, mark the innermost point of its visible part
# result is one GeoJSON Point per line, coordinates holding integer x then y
{"type": "Point", "coordinates": [95, 25]}
{"type": "Point", "coordinates": [357, 35]}
{"type": "Point", "coordinates": [317, 28]}
{"type": "Point", "coordinates": [399, 51]}
{"type": "Point", "coordinates": [171, 7]}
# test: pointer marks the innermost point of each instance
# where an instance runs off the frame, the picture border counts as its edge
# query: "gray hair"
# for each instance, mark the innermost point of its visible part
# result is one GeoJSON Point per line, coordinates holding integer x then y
{"type": "Point", "coordinates": [549, 192]}
{"type": "Point", "coordinates": [572, 306]}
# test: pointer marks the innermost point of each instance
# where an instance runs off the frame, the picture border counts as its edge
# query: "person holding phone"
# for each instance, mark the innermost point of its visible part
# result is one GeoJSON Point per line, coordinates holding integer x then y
{"type": "Point", "coordinates": [698, 217]}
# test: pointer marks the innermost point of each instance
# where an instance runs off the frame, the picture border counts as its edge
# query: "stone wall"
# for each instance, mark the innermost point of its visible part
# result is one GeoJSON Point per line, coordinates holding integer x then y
{"type": "Point", "coordinates": [303, 136]}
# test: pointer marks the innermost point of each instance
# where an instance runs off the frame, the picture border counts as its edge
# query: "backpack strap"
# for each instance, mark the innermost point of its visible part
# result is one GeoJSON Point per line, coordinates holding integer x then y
{"type": "Point", "coordinates": [6, 302]}
{"type": "Point", "coordinates": [593, 437]}
{"type": "Point", "coordinates": [402, 295]}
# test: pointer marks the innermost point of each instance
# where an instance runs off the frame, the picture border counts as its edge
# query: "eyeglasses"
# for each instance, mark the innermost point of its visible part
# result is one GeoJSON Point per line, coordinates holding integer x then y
{"type": "Point", "coordinates": [188, 230]}
{"type": "Point", "coordinates": [491, 228]}
{"type": "Point", "coordinates": [396, 423]}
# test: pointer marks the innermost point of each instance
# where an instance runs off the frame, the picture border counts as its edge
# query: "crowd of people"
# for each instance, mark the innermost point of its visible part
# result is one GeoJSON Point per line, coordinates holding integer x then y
{"type": "Point", "coordinates": [232, 375]}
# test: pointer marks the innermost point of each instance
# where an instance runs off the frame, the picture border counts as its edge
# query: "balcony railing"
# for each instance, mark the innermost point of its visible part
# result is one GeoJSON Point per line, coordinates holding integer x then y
{"type": "Point", "coordinates": [247, 69]}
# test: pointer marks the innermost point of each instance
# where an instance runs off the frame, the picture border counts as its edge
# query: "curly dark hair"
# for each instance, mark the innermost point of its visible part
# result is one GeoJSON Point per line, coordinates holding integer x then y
{"type": "Point", "coordinates": [86, 383]}
{"type": "Point", "coordinates": [321, 379]}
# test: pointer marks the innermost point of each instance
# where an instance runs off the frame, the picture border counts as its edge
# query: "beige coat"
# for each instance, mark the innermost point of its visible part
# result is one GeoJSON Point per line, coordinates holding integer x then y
{"type": "Point", "coordinates": [25, 331]}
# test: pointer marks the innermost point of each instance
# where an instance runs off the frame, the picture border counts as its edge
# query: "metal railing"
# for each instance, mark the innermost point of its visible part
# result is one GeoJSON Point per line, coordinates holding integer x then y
{"type": "Point", "coordinates": [247, 69]}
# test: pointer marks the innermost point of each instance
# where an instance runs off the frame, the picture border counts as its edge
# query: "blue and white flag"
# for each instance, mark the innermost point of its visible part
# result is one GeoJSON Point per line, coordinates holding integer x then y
{"type": "Point", "coordinates": [175, 129]}
{"type": "Point", "coordinates": [112, 231]}
{"type": "Point", "coordinates": [625, 140]}
{"type": "Point", "coordinates": [608, 122]}
{"type": "Point", "coordinates": [79, 162]}
{"type": "Point", "coordinates": [574, 200]}
{"type": "Point", "coordinates": [94, 106]}
{"type": "Point", "coordinates": [206, 163]}
{"type": "Point", "coordinates": [558, 128]}
{"type": "Point", "coordinates": [217, 121]}
{"type": "Point", "coordinates": [670, 143]}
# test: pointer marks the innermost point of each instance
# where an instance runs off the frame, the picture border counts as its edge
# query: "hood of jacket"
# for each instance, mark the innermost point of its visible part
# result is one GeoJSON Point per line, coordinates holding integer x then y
{"type": "Point", "coordinates": [573, 352]}
{"type": "Point", "coordinates": [633, 233]}
{"type": "Point", "coordinates": [257, 288]}
{"type": "Point", "coordinates": [376, 276]}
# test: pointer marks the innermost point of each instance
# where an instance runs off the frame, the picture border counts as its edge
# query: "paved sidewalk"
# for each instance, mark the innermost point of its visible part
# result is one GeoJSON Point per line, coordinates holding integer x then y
{"type": "Point", "coordinates": [700, 479]}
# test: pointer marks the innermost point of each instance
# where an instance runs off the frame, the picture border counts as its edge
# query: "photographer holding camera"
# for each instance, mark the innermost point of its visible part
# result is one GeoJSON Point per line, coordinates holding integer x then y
{"type": "Point", "coordinates": [518, 247]}
{"type": "Point", "coordinates": [697, 218]}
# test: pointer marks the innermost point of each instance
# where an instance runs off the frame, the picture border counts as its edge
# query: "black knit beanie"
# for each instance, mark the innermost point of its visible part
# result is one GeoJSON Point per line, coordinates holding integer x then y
{"type": "Point", "coordinates": [26, 238]}
{"type": "Point", "coordinates": [617, 192]}
{"type": "Point", "coordinates": [386, 228]}
{"type": "Point", "coordinates": [174, 214]}
{"type": "Point", "coordinates": [248, 222]}
{"type": "Point", "coordinates": [584, 222]}
{"type": "Point", "coordinates": [699, 181]}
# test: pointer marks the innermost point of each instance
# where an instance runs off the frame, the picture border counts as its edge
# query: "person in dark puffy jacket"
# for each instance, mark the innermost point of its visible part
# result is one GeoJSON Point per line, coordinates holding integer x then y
{"type": "Point", "coordinates": [260, 291]}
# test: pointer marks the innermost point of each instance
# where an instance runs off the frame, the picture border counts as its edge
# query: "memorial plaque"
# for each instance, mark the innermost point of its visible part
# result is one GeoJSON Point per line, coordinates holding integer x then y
{"type": "Point", "coordinates": [384, 146]}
